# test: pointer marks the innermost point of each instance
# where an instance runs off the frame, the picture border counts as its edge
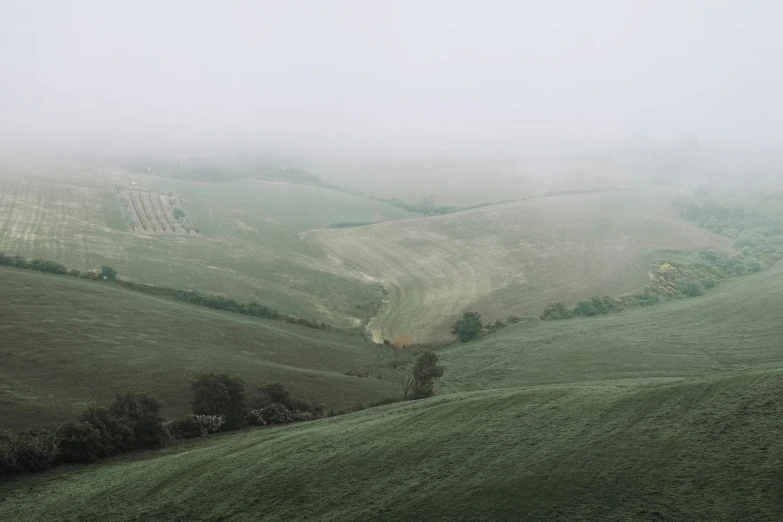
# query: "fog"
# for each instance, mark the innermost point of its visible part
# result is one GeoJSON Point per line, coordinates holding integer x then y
{"type": "Point", "coordinates": [533, 83]}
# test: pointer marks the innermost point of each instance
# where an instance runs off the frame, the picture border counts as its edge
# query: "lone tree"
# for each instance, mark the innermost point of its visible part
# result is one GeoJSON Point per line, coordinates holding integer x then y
{"type": "Point", "coordinates": [220, 394]}
{"type": "Point", "coordinates": [425, 371]}
{"type": "Point", "coordinates": [108, 272]}
{"type": "Point", "coordinates": [468, 328]}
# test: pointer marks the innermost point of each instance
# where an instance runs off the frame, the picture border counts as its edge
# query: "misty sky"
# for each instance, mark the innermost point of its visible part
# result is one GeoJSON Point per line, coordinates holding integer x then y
{"type": "Point", "coordinates": [372, 72]}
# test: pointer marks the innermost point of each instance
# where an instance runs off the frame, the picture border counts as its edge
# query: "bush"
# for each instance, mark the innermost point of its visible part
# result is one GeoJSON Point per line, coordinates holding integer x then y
{"type": "Point", "coordinates": [585, 309]}
{"type": "Point", "coordinates": [108, 272]}
{"type": "Point", "coordinates": [8, 465]}
{"type": "Point", "coordinates": [555, 311]}
{"type": "Point", "coordinates": [116, 433]}
{"type": "Point", "coordinates": [274, 414]}
{"type": "Point", "coordinates": [692, 290]}
{"type": "Point", "coordinates": [271, 393]}
{"type": "Point", "coordinates": [468, 328]}
{"type": "Point", "coordinates": [78, 442]}
{"type": "Point", "coordinates": [33, 450]}
{"type": "Point", "coordinates": [192, 426]}
{"type": "Point", "coordinates": [142, 413]}
{"type": "Point", "coordinates": [255, 417]}
{"type": "Point", "coordinates": [186, 427]}
{"type": "Point", "coordinates": [220, 394]}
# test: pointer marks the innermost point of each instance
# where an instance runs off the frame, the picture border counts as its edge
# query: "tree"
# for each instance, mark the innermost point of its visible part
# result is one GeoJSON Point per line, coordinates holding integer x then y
{"type": "Point", "coordinates": [268, 394]}
{"type": "Point", "coordinates": [78, 442]}
{"type": "Point", "coordinates": [425, 371]}
{"type": "Point", "coordinates": [116, 432]}
{"type": "Point", "coordinates": [142, 413]}
{"type": "Point", "coordinates": [468, 328]}
{"type": "Point", "coordinates": [220, 394]}
{"type": "Point", "coordinates": [108, 272]}
{"type": "Point", "coordinates": [556, 311]}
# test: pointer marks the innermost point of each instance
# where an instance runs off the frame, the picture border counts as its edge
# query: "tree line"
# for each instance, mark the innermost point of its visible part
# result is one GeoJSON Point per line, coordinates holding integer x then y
{"type": "Point", "coordinates": [216, 302]}
{"type": "Point", "coordinates": [219, 403]}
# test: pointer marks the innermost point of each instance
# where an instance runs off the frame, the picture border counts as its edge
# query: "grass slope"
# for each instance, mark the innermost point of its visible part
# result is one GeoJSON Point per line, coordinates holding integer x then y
{"type": "Point", "coordinates": [66, 343]}
{"type": "Point", "coordinates": [582, 425]}
{"type": "Point", "coordinates": [701, 450]}
{"type": "Point", "coordinates": [249, 246]}
{"type": "Point", "coordinates": [734, 327]}
{"type": "Point", "coordinates": [509, 258]}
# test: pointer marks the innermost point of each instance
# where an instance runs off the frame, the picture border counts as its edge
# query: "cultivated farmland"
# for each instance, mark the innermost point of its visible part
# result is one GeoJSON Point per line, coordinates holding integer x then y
{"type": "Point", "coordinates": [245, 242]}
{"type": "Point", "coordinates": [512, 258]}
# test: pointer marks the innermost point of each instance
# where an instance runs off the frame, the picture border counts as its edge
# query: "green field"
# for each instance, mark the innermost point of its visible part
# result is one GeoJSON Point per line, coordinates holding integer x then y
{"type": "Point", "coordinates": [666, 413]}
{"type": "Point", "coordinates": [512, 258]}
{"type": "Point", "coordinates": [66, 343]}
{"type": "Point", "coordinates": [249, 245]}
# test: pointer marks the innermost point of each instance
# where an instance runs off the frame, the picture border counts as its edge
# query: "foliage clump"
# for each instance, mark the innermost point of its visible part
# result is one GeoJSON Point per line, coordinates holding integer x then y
{"type": "Point", "coordinates": [220, 395]}
{"type": "Point", "coordinates": [469, 327]}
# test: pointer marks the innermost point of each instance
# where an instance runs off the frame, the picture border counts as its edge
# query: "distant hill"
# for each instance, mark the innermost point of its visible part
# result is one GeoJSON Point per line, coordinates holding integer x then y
{"type": "Point", "coordinates": [512, 258]}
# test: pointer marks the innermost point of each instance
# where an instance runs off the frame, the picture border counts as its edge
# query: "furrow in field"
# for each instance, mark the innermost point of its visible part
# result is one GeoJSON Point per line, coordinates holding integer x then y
{"type": "Point", "coordinates": [508, 259]}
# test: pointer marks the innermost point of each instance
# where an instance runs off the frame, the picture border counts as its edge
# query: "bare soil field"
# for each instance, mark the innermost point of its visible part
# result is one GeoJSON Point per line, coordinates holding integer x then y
{"type": "Point", "coordinates": [507, 259]}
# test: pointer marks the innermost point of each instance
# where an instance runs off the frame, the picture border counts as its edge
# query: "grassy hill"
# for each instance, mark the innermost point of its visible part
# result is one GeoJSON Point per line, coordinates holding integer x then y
{"type": "Point", "coordinates": [66, 343]}
{"type": "Point", "coordinates": [569, 420]}
{"type": "Point", "coordinates": [509, 258]}
{"type": "Point", "coordinates": [248, 247]}
{"type": "Point", "coordinates": [732, 328]}
{"type": "Point", "coordinates": [699, 450]}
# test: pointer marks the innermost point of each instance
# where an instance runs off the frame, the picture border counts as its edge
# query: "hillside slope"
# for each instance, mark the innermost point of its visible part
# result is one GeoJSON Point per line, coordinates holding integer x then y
{"type": "Point", "coordinates": [701, 450]}
{"type": "Point", "coordinates": [509, 258]}
{"type": "Point", "coordinates": [583, 424]}
{"type": "Point", "coordinates": [66, 343]}
{"type": "Point", "coordinates": [734, 327]}
{"type": "Point", "coordinates": [248, 247]}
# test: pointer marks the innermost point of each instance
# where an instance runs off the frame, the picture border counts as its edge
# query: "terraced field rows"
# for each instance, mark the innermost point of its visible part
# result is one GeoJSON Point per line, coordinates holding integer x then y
{"type": "Point", "coordinates": [508, 259]}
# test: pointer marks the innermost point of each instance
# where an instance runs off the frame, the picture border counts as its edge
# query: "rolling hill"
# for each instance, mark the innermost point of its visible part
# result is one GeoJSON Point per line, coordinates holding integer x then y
{"type": "Point", "coordinates": [511, 258]}
{"type": "Point", "coordinates": [66, 343]}
{"type": "Point", "coordinates": [248, 246]}
{"type": "Point", "coordinates": [569, 420]}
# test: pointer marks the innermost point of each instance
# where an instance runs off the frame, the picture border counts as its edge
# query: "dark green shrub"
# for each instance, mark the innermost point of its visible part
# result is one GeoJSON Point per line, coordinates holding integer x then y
{"type": "Point", "coordinates": [35, 449]}
{"type": "Point", "coordinates": [8, 459]}
{"type": "Point", "coordinates": [142, 413]}
{"type": "Point", "coordinates": [468, 328]}
{"type": "Point", "coordinates": [425, 371]}
{"type": "Point", "coordinates": [556, 311]}
{"type": "Point", "coordinates": [116, 433]}
{"type": "Point", "coordinates": [274, 414]}
{"type": "Point", "coordinates": [51, 267]}
{"type": "Point", "coordinates": [692, 290]}
{"type": "Point", "coordinates": [108, 272]}
{"type": "Point", "coordinates": [185, 427]}
{"type": "Point", "coordinates": [585, 309]}
{"type": "Point", "coordinates": [220, 394]}
{"type": "Point", "coordinates": [78, 442]}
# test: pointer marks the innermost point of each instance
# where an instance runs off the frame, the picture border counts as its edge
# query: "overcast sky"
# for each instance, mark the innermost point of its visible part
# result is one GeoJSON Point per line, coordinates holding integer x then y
{"type": "Point", "coordinates": [375, 73]}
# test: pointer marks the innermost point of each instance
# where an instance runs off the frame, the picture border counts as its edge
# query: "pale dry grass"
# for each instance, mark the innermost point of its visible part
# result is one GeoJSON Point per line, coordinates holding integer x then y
{"type": "Point", "coordinates": [508, 259]}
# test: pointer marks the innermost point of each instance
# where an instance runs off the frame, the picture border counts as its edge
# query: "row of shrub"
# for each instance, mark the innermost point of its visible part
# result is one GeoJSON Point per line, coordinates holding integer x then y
{"type": "Point", "coordinates": [694, 274]}
{"type": "Point", "coordinates": [132, 421]}
{"type": "Point", "coordinates": [195, 297]}
{"type": "Point", "coordinates": [41, 265]}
